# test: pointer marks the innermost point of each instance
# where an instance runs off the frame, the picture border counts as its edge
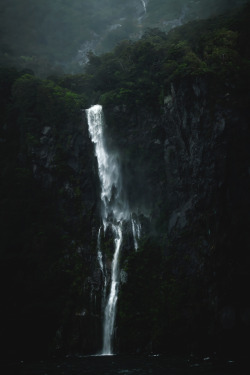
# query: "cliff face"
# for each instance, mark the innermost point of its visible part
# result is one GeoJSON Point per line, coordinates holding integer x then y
{"type": "Point", "coordinates": [186, 174]}
{"type": "Point", "coordinates": [207, 226]}
{"type": "Point", "coordinates": [187, 170]}
{"type": "Point", "coordinates": [176, 114]}
{"type": "Point", "coordinates": [49, 195]}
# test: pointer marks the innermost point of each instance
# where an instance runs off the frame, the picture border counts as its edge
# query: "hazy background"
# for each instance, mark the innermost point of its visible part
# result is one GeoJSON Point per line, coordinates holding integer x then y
{"type": "Point", "coordinates": [48, 36]}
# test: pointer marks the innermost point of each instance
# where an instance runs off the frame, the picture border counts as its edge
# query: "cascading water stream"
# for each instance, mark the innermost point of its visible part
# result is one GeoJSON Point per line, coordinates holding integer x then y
{"type": "Point", "coordinates": [136, 230]}
{"type": "Point", "coordinates": [110, 310]}
{"type": "Point", "coordinates": [114, 212]}
{"type": "Point", "coordinates": [99, 252]}
{"type": "Point", "coordinates": [101, 264]}
{"type": "Point", "coordinates": [144, 5]}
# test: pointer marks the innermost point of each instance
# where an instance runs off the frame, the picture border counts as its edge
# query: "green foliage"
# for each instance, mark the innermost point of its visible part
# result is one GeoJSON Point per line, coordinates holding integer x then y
{"type": "Point", "coordinates": [44, 228]}
{"type": "Point", "coordinates": [45, 36]}
{"type": "Point", "coordinates": [140, 72]}
{"type": "Point", "coordinates": [43, 103]}
{"type": "Point", "coordinates": [40, 260]}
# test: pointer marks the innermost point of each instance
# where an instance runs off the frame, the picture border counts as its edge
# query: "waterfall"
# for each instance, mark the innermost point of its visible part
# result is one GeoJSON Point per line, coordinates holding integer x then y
{"type": "Point", "coordinates": [110, 310]}
{"type": "Point", "coordinates": [144, 5]}
{"type": "Point", "coordinates": [136, 230]}
{"type": "Point", "coordinates": [100, 261]}
{"type": "Point", "coordinates": [99, 252]}
{"type": "Point", "coordinates": [114, 212]}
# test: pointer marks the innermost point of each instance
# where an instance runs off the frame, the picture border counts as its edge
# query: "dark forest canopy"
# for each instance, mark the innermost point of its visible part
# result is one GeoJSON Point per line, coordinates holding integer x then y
{"type": "Point", "coordinates": [48, 35]}
{"type": "Point", "coordinates": [47, 191]}
{"type": "Point", "coordinates": [139, 72]}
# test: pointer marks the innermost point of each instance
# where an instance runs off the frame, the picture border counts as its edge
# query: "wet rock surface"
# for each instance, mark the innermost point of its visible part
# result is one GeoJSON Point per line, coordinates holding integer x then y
{"type": "Point", "coordinates": [186, 168]}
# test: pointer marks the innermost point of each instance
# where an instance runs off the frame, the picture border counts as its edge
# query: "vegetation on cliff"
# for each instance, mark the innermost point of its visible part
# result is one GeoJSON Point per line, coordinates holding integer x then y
{"type": "Point", "coordinates": [136, 73]}
{"type": "Point", "coordinates": [51, 37]}
{"type": "Point", "coordinates": [45, 213]}
{"type": "Point", "coordinates": [48, 201]}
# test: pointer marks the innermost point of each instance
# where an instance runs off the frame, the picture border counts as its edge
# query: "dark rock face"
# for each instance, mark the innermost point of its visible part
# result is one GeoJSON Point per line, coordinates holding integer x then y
{"type": "Point", "coordinates": [208, 139]}
{"type": "Point", "coordinates": [187, 169]}
{"type": "Point", "coordinates": [49, 194]}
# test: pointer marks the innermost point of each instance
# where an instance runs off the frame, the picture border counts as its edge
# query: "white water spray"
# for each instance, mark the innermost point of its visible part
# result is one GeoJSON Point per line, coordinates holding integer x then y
{"type": "Point", "coordinates": [136, 230]}
{"type": "Point", "coordinates": [114, 213]}
{"type": "Point", "coordinates": [100, 261]}
{"type": "Point", "coordinates": [110, 310]}
{"type": "Point", "coordinates": [144, 5]}
{"type": "Point", "coordinates": [99, 252]}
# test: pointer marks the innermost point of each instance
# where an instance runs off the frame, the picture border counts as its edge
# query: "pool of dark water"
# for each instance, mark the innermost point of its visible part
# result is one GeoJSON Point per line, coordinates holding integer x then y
{"type": "Point", "coordinates": [124, 365]}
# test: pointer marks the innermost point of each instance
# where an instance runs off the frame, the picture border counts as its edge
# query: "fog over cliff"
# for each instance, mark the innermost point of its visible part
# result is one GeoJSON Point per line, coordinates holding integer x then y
{"type": "Point", "coordinates": [124, 187]}
{"type": "Point", "coordinates": [57, 36]}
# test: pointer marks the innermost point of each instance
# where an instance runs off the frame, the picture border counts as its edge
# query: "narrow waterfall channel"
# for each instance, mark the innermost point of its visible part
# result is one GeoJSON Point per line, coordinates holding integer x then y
{"type": "Point", "coordinates": [114, 213]}
{"type": "Point", "coordinates": [144, 5]}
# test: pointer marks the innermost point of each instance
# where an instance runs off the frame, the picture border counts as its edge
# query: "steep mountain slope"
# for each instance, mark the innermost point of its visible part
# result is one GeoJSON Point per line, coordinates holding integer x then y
{"type": "Point", "coordinates": [177, 118]}
{"type": "Point", "coordinates": [56, 36]}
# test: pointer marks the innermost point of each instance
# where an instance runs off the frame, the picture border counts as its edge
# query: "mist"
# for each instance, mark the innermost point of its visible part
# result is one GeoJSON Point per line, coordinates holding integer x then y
{"type": "Point", "coordinates": [124, 187]}
{"type": "Point", "coordinates": [57, 36]}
